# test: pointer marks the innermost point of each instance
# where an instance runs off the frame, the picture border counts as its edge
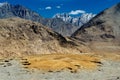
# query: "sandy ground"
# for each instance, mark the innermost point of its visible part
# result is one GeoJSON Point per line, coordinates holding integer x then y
{"type": "Point", "coordinates": [13, 70]}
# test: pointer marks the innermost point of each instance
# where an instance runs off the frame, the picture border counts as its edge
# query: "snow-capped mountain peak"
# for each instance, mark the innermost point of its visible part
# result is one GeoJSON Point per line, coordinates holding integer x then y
{"type": "Point", "coordinates": [4, 3]}
{"type": "Point", "coordinates": [77, 21]}
{"type": "Point", "coordinates": [64, 16]}
{"type": "Point", "coordinates": [86, 17]}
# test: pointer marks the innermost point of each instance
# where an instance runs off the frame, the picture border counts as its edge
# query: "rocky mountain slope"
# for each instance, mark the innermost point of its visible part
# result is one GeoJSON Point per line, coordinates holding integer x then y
{"type": "Point", "coordinates": [58, 25]}
{"type": "Point", "coordinates": [103, 31]}
{"type": "Point", "coordinates": [7, 10]}
{"type": "Point", "coordinates": [19, 36]}
{"type": "Point", "coordinates": [66, 24]}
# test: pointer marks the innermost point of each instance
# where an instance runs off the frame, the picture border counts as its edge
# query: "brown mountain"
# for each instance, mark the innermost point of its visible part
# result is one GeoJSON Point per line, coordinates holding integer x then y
{"type": "Point", "coordinates": [19, 36]}
{"type": "Point", "coordinates": [103, 31]}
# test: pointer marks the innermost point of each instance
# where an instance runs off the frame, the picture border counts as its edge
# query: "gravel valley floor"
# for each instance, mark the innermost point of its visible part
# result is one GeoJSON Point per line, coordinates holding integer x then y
{"type": "Point", "coordinates": [12, 69]}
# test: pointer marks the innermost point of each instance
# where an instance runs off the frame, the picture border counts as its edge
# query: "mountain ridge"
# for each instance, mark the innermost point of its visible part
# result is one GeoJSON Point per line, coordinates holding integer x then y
{"type": "Point", "coordinates": [8, 10]}
{"type": "Point", "coordinates": [24, 37]}
{"type": "Point", "coordinates": [102, 31]}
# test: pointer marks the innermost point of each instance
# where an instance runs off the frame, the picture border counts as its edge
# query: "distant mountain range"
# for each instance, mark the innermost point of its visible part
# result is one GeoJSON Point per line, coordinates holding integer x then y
{"type": "Point", "coordinates": [63, 23]}
{"type": "Point", "coordinates": [76, 21]}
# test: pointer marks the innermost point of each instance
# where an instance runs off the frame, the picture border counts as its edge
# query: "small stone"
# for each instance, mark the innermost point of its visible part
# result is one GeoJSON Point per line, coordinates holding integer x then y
{"type": "Point", "coordinates": [50, 71]}
{"type": "Point", "coordinates": [9, 64]}
{"type": "Point", "coordinates": [6, 61]}
{"type": "Point", "coordinates": [118, 78]}
{"type": "Point", "coordinates": [1, 63]}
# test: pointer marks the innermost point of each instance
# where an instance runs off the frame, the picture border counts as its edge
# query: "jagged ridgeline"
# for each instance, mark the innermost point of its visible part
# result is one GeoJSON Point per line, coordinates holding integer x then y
{"type": "Point", "coordinates": [8, 10]}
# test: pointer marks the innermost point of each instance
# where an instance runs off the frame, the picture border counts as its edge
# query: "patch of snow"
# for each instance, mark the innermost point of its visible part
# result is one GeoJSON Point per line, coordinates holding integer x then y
{"type": "Point", "coordinates": [77, 21]}
{"type": "Point", "coordinates": [1, 4]}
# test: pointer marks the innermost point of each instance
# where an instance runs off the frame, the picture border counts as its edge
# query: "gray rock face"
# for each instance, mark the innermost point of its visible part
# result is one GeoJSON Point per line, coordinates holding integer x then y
{"type": "Point", "coordinates": [7, 10]}
{"type": "Point", "coordinates": [58, 25]}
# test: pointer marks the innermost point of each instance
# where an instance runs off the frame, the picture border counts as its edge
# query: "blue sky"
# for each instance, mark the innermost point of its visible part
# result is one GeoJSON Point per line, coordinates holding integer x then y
{"type": "Point", "coordinates": [47, 8]}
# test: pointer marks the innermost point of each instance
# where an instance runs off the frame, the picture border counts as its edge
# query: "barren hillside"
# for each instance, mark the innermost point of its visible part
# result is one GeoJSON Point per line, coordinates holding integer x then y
{"type": "Point", "coordinates": [103, 31]}
{"type": "Point", "coordinates": [22, 36]}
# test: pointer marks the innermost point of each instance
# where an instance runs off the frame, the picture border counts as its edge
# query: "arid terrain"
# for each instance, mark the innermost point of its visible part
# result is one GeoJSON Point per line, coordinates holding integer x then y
{"type": "Point", "coordinates": [61, 67]}
{"type": "Point", "coordinates": [20, 37]}
{"type": "Point", "coordinates": [31, 51]}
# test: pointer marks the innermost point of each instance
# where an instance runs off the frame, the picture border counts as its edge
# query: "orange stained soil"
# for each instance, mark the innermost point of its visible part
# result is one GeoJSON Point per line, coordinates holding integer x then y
{"type": "Point", "coordinates": [58, 62]}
